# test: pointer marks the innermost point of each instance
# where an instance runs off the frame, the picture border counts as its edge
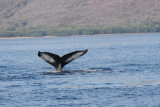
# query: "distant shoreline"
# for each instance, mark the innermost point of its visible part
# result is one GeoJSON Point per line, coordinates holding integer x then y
{"type": "Point", "coordinates": [115, 34]}
{"type": "Point", "coordinates": [26, 37]}
{"type": "Point", "coordinates": [71, 35]}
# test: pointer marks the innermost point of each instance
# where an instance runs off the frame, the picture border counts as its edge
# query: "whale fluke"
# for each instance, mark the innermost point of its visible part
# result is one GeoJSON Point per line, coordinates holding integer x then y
{"type": "Point", "coordinates": [59, 62]}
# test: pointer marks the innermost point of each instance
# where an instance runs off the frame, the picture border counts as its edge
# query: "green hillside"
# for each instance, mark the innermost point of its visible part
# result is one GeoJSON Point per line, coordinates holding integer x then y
{"type": "Point", "coordinates": [77, 17]}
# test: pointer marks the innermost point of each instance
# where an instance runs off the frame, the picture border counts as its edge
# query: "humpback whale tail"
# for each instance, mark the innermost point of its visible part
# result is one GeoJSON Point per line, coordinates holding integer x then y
{"type": "Point", "coordinates": [59, 62]}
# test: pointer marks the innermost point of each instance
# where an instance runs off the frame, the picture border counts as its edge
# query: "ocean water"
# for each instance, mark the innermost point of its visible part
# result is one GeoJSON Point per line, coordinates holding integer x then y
{"type": "Point", "coordinates": [118, 71]}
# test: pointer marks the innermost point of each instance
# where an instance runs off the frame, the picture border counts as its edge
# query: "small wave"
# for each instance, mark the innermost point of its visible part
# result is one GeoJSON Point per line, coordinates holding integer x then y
{"type": "Point", "coordinates": [101, 69]}
{"type": "Point", "coordinates": [17, 77]}
{"type": "Point", "coordinates": [2, 66]}
{"type": "Point", "coordinates": [5, 67]}
{"type": "Point", "coordinates": [139, 65]}
{"type": "Point", "coordinates": [65, 72]}
{"type": "Point", "coordinates": [71, 72]}
{"type": "Point", "coordinates": [52, 72]}
{"type": "Point", "coordinates": [143, 83]}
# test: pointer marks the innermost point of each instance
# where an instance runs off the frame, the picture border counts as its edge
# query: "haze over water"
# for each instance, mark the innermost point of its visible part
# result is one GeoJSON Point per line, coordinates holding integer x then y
{"type": "Point", "coordinates": [118, 70]}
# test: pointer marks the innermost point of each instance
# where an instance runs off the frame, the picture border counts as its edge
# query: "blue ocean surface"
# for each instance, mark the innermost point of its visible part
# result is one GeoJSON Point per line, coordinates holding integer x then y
{"type": "Point", "coordinates": [118, 71]}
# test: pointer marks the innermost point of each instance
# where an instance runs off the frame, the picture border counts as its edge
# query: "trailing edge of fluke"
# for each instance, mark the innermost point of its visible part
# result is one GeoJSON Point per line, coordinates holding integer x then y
{"type": "Point", "coordinates": [59, 62]}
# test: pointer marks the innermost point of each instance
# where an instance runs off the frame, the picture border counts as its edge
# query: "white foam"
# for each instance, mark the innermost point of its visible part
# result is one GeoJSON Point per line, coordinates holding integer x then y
{"type": "Point", "coordinates": [50, 72]}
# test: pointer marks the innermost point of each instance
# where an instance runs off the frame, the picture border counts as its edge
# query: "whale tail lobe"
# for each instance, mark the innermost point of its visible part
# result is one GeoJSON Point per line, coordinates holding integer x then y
{"type": "Point", "coordinates": [59, 62]}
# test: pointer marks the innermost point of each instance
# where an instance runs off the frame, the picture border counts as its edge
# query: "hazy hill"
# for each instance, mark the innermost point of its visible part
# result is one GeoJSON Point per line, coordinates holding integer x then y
{"type": "Point", "coordinates": [77, 13]}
